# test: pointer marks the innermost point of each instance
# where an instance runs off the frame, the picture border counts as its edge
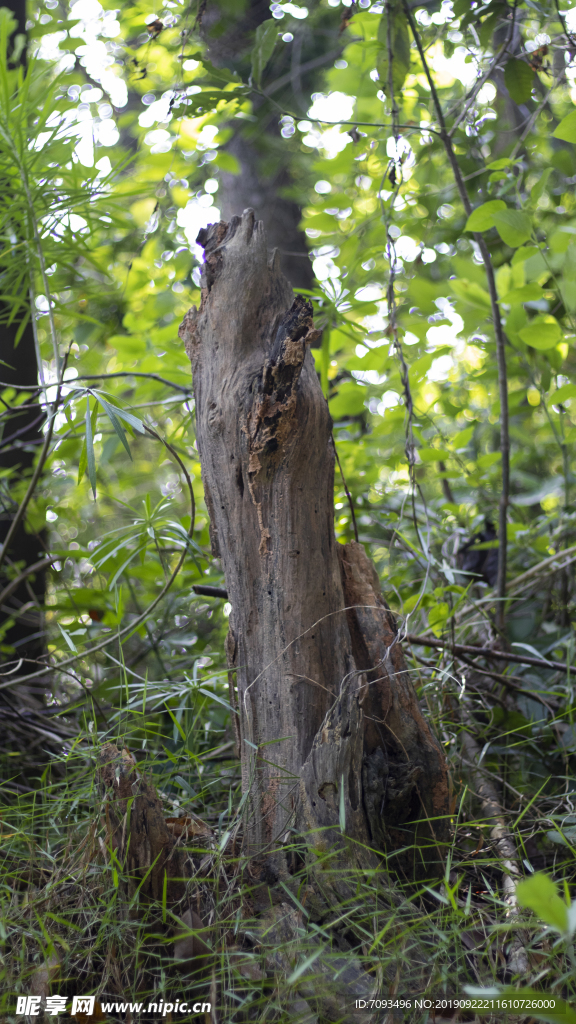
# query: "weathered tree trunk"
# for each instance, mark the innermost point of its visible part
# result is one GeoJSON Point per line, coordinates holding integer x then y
{"type": "Point", "coordinates": [21, 435]}
{"type": "Point", "coordinates": [330, 725]}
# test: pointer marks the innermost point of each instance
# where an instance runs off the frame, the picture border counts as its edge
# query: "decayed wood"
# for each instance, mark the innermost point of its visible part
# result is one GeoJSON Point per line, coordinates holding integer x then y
{"type": "Point", "coordinates": [404, 769]}
{"type": "Point", "coordinates": [150, 849]}
{"type": "Point", "coordinates": [310, 719]}
{"type": "Point", "coordinates": [146, 844]}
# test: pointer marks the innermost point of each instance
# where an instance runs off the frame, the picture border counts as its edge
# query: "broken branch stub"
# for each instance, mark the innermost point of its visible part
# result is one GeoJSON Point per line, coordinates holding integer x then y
{"type": "Point", "coordinates": [264, 437]}
{"type": "Point", "coordinates": [143, 841]}
{"type": "Point", "coordinates": [151, 851]}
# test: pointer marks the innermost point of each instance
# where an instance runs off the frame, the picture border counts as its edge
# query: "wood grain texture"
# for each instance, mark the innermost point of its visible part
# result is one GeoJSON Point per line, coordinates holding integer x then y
{"type": "Point", "coordinates": [138, 832]}
{"type": "Point", "coordinates": [264, 436]}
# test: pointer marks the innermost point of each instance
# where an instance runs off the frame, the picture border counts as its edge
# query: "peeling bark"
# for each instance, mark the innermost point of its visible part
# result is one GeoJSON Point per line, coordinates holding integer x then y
{"type": "Point", "coordinates": [324, 698]}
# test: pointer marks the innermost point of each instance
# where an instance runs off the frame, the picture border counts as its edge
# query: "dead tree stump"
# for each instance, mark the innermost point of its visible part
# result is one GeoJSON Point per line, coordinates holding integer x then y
{"type": "Point", "coordinates": [331, 732]}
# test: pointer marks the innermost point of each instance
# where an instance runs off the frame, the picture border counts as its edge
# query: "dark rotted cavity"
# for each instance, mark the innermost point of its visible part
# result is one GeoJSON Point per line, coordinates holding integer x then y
{"type": "Point", "coordinates": [278, 377]}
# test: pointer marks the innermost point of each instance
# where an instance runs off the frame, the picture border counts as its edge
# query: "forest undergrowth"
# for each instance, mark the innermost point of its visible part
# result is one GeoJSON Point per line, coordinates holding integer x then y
{"type": "Point", "coordinates": [68, 923]}
{"type": "Point", "coordinates": [430, 148]}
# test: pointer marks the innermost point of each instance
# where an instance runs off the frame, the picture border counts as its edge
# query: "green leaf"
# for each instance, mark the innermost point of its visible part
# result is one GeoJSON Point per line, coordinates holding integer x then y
{"type": "Point", "coordinates": [566, 130]}
{"type": "Point", "coordinates": [83, 461]}
{"type": "Point", "coordinates": [568, 391]}
{"type": "Point", "coordinates": [433, 455]}
{"type": "Point", "coordinates": [349, 401]}
{"type": "Point", "coordinates": [299, 971]}
{"type": "Point", "coordinates": [470, 292]}
{"type": "Point", "coordinates": [516, 319]}
{"type": "Point", "coordinates": [513, 226]}
{"type": "Point", "coordinates": [266, 36]}
{"type": "Point", "coordinates": [482, 218]}
{"type": "Point", "coordinates": [518, 79]}
{"type": "Point", "coordinates": [566, 838]}
{"type": "Point", "coordinates": [399, 46]}
{"type": "Point", "coordinates": [487, 27]}
{"type": "Point", "coordinates": [67, 638]}
{"type": "Point", "coordinates": [543, 332]}
{"type": "Point", "coordinates": [116, 424]}
{"type": "Point", "coordinates": [462, 438]}
{"type": "Point", "coordinates": [538, 189]}
{"type": "Point", "coordinates": [521, 255]}
{"type": "Point", "coordinates": [438, 617]}
{"type": "Point", "coordinates": [90, 430]}
{"type": "Point", "coordinates": [488, 460]}
{"type": "Point", "coordinates": [499, 165]}
{"type": "Point", "coordinates": [133, 421]}
{"type": "Point", "coordinates": [212, 72]}
{"type": "Point", "coordinates": [227, 162]}
{"type": "Point", "coordinates": [176, 722]}
{"type": "Point", "coordinates": [527, 293]}
{"type": "Point", "coordinates": [540, 894]}
{"type": "Point", "coordinates": [214, 696]}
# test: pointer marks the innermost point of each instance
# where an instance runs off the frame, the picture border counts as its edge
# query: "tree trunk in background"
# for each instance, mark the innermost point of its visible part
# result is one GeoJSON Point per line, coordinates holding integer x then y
{"type": "Point", "coordinates": [331, 732]}
{"type": "Point", "coordinates": [257, 146]}
{"type": "Point", "coordinates": [20, 439]}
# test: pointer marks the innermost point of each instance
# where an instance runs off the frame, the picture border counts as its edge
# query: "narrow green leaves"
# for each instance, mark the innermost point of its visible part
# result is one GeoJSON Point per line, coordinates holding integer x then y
{"type": "Point", "coordinates": [395, 26]}
{"type": "Point", "coordinates": [90, 430]}
{"type": "Point", "coordinates": [128, 418]}
{"type": "Point", "coordinates": [68, 639]}
{"type": "Point", "coordinates": [518, 79]}
{"type": "Point", "coordinates": [87, 459]}
{"type": "Point", "coordinates": [299, 971]}
{"type": "Point", "coordinates": [266, 36]}
{"type": "Point", "coordinates": [116, 424]}
{"type": "Point", "coordinates": [87, 454]}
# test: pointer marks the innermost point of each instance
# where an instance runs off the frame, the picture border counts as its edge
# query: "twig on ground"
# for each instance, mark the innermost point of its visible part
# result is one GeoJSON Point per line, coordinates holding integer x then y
{"type": "Point", "coordinates": [492, 808]}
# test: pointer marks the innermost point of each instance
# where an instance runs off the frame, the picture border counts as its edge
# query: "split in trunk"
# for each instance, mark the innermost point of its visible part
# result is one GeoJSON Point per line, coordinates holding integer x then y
{"type": "Point", "coordinates": [332, 738]}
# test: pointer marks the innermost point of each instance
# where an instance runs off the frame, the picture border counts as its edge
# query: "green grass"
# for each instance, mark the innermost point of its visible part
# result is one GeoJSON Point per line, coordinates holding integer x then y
{"type": "Point", "coordinates": [286, 950]}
